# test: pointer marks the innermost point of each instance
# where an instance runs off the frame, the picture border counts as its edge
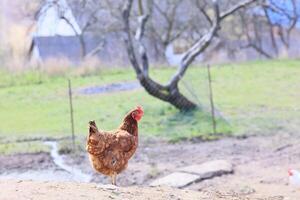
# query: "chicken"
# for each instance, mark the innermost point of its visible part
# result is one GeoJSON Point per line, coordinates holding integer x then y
{"type": "Point", "coordinates": [109, 151]}
{"type": "Point", "coordinates": [294, 178]}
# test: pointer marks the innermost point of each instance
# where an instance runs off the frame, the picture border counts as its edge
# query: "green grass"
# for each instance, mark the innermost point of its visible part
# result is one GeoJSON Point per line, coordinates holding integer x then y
{"type": "Point", "coordinates": [256, 97]}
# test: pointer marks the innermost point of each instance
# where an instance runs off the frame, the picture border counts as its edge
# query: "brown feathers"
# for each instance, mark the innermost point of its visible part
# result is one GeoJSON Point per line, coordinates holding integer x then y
{"type": "Point", "coordinates": [109, 151]}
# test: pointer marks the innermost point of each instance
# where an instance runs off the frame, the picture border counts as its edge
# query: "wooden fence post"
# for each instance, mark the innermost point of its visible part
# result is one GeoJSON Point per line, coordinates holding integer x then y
{"type": "Point", "coordinates": [211, 99]}
{"type": "Point", "coordinates": [71, 113]}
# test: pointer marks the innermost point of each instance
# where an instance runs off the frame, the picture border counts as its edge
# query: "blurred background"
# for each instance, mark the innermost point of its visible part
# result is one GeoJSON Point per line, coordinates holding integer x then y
{"type": "Point", "coordinates": [203, 70]}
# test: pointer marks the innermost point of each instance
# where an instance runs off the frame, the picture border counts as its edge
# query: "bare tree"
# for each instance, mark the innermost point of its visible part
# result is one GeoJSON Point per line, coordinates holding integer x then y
{"type": "Point", "coordinates": [289, 11]}
{"type": "Point", "coordinates": [253, 27]}
{"type": "Point", "coordinates": [164, 25]}
{"type": "Point", "coordinates": [261, 27]}
{"type": "Point", "coordinates": [170, 92]}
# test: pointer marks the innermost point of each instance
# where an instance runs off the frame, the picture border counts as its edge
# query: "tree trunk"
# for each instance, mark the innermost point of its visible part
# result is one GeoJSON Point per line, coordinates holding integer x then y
{"type": "Point", "coordinates": [172, 96]}
{"type": "Point", "coordinates": [181, 102]}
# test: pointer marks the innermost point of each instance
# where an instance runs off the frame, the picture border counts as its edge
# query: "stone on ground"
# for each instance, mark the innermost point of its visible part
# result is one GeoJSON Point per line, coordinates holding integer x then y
{"type": "Point", "coordinates": [177, 179]}
{"type": "Point", "coordinates": [107, 186]}
{"type": "Point", "coordinates": [194, 173]}
{"type": "Point", "coordinates": [209, 169]}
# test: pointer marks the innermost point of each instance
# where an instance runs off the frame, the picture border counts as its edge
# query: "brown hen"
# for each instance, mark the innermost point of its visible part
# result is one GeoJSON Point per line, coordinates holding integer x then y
{"type": "Point", "coordinates": [109, 151]}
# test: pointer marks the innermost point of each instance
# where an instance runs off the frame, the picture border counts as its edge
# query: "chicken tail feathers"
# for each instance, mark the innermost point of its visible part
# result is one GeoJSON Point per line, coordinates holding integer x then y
{"type": "Point", "coordinates": [95, 141]}
{"type": "Point", "coordinates": [93, 127]}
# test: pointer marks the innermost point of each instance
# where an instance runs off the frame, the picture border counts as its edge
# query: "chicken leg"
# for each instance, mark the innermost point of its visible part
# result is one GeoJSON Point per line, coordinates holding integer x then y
{"type": "Point", "coordinates": [114, 179]}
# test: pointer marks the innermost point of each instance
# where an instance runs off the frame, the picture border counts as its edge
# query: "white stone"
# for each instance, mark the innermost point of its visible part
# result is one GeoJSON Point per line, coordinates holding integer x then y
{"type": "Point", "coordinates": [107, 187]}
{"type": "Point", "coordinates": [177, 179]}
{"type": "Point", "coordinates": [209, 169]}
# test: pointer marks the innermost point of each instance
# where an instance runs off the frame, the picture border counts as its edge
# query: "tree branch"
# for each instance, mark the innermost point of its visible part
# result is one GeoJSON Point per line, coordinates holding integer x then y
{"type": "Point", "coordinates": [147, 82]}
{"type": "Point", "coordinates": [203, 11]}
{"type": "Point", "coordinates": [269, 22]}
{"type": "Point", "coordinates": [236, 7]}
{"type": "Point", "coordinates": [128, 39]}
{"type": "Point", "coordinates": [250, 42]}
{"type": "Point", "coordinates": [205, 40]}
{"type": "Point", "coordinates": [94, 51]}
{"type": "Point", "coordinates": [197, 48]}
{"type": "Point", "coordinates": [169, 15]}
{"type": "Point", "coordinates": [142, 49]}
{"type": "Point", "coordinates": [260, 50]}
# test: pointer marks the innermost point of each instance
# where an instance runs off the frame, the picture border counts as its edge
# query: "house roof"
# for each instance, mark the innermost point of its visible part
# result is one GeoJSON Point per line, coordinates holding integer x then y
{"type": "Point", "coordinates": [55, 17]}
{"type": "Point", "coordinates": [64, 46]}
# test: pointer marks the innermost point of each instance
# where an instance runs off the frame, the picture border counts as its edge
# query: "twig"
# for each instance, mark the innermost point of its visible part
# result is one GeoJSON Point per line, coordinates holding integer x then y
{"type": "Point", "coordinates": [283, 147]}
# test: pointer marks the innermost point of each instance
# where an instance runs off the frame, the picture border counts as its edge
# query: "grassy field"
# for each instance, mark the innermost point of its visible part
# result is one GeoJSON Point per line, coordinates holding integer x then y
{"type": "Point", "coordinates": [254, 98]}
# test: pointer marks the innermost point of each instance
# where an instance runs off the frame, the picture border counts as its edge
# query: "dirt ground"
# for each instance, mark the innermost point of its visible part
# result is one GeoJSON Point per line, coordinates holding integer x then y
{"type": "Point", "coordinates": [260, 169]}
{"type": "Point", "coordinates": [33, 190]}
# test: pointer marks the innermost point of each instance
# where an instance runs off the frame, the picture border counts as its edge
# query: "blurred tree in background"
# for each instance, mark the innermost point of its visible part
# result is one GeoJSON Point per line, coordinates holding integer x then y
{"type": "Point", "coordinates": [177, 32]}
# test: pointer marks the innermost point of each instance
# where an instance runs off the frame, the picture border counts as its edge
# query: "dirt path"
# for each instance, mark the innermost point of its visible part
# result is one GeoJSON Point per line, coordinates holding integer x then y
{"type": "Point", "coordinates": [33, 190]}
{"type": "Point", "coordinates": [19, 190]}
{"type": "Point", "coordinates": [260, 163]}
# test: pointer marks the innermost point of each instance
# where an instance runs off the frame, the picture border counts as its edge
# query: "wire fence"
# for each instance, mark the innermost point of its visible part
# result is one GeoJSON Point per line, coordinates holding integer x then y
{"type": "Point", "coordinates": [61, 107]}
{"type": "Point", "coordinates": [37, 107]}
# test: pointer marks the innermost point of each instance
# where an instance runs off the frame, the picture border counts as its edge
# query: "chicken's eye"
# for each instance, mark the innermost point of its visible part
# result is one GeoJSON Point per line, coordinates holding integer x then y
{"type": "Point", "coordinates": [133, 114]}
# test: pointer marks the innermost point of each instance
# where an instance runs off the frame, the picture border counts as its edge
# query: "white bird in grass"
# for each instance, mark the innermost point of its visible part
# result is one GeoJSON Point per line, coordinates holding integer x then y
{"type": "Point", "coordinates": [294, 178]}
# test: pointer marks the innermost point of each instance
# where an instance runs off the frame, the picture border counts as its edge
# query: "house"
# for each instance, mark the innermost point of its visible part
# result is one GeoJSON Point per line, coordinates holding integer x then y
{"type": "Point", "coordinates": [58, 35]}
{"type": "Point", "coordinates": [51, 20]}
{"type": "Point", "coordinates": [66, 47]}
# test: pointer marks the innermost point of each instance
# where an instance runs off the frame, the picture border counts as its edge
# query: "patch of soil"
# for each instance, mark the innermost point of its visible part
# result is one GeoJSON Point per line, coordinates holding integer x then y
{"type": "Point", "coordinates": [260, 164]}
{"type": "Point", "coordinates": [114, 87]}
{"type": "Point", "coordinates": [26, 161]}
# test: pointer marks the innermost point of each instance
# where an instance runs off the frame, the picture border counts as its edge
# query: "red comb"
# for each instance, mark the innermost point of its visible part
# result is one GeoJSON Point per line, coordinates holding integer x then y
{"type": "Point", "coordinates": [139, 108]}
{"type": "Point", "coordinates": [290, 172]}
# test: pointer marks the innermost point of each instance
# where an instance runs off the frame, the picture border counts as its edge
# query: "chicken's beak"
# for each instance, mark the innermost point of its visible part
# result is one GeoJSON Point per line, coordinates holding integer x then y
{"type": "Point", "coordinates": [139, 112]}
